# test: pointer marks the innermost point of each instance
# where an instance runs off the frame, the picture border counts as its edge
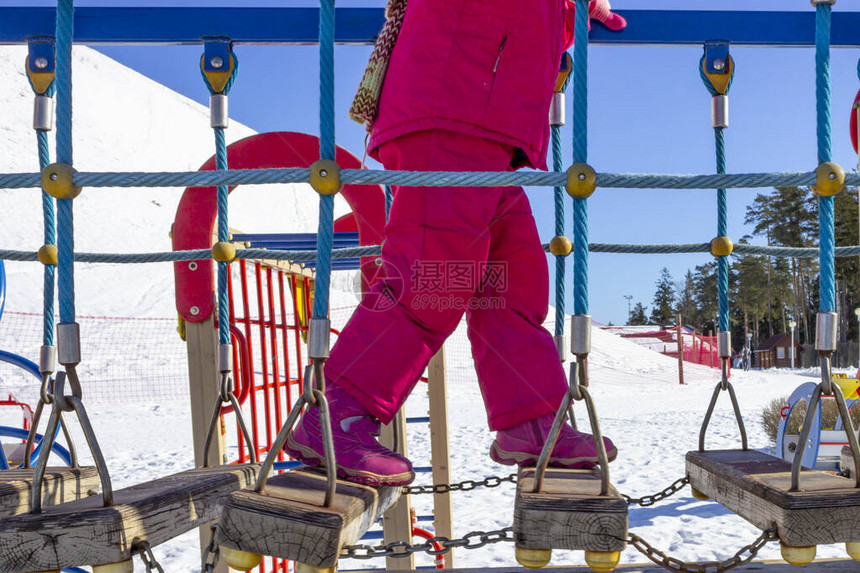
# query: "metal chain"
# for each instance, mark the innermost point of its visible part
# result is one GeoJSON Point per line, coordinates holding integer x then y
{"type": "Point", "coordinates": [673, 564]}
{"type": "Point", "coordinates": [152, 564]}
{"type": "Point", "coordinates": [212, 553]}
{"type": "Point", "coordinates": [467, 485]}
{"type": "Point", "coordinates": [472, 540]}
{"type": "Point", "coordinates": [647, 500]}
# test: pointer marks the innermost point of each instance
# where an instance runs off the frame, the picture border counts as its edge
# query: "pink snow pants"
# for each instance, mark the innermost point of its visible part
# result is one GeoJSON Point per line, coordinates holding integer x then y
{"type": "Point", "coordinates": [450, 250]}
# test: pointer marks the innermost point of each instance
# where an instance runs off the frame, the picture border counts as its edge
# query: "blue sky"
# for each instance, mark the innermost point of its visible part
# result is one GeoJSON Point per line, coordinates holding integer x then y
{"type": "Point", "coordinates": [648, 112]}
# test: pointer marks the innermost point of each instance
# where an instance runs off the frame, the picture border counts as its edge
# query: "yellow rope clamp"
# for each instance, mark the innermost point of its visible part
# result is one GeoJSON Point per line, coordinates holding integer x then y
{"type": "Point", "coordinates": [218, 78]}
{"type": "Point", "coordinates": [560, 246]}
{"type": "Point", "coordinates": [224, 252]}
{"type": "Point", "coordinates": [41, 80]}
{"type": "Point", "coordinates": [721, 246]}
{"type": "Point", "coordinates": [829, 180]}
{"type": "Point", "coordinates": [325, 177]}
{"type": "Point", "coordinates": [57, 181]}
{"type": "Point", "coordinates": [721, 80]}
{"type": "Point", "coordinates": [581, 181]}
{"type": "Point", "coordinates": [47, 254]}
{"type": "Point", "coordinates": [564, 72]}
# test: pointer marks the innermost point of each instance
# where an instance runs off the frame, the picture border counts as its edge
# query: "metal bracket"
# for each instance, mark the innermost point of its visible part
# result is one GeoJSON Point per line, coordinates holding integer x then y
{"type": "Point", "coordinates": [40, 55]}
{"type": "Point", "coordinates": [717, 56]}
{"type": "Point", "coordinates": [216, 54]}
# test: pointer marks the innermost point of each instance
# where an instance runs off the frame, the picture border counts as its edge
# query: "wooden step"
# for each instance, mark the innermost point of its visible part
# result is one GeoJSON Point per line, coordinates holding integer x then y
{"type": "Point", "coordinates": [83, 533]}
{"type": "Point", "coordinates": [288, 519]}
{"type": "Point", "coordinates": [755, 486]}
{"type": "Point", "coordinates": [569, 513]}
{"type": "Point", "coordinates": [60, 485]}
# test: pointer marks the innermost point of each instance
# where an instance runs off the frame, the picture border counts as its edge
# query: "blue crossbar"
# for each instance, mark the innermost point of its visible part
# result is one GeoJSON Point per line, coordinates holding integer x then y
{"type": "Point", "coordinates": [172, 25]}
{"type": "Point", "coordinates": [301, 242]}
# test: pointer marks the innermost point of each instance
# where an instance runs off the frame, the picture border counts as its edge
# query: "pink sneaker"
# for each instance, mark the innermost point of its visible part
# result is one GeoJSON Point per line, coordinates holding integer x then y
{"type": "Point", "coordinates": [360, 458]}
{"type": "Point", "coordinates": [522, 444]}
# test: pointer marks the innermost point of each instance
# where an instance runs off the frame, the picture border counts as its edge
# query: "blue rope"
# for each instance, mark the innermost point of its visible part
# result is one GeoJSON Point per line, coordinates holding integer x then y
{"type": "Point", "coordinates": [722, 231]}
{"type": "Point", "coordinates": [827, 241]}
{"type": "Point", "coordinates": [389, 198]}
{"type": "Point", "coordinates": [325, 231]}
{"type": "Point", "coordinates": [558, 196]}
{"type": "Point", "coordinates": [50, 237]}
{"type": "Point", "coordinates": [66, 223]}
{"type": "Point", "coordinates": [223, 235]}
{"type": "Point", "coordinates": [580, 155]}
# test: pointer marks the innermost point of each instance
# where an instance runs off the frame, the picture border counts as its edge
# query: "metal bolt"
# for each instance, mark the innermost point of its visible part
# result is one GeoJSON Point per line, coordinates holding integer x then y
{"type": "Point", "coordinates": [41, 62]}
{"type": "Point", "coordinates": [192, 266]}
{"type": "Point", "coordinates": [323, 173]}
{"type": "Point", "coordinates": [831, 175]}
{"type": "Point", "coordinates": [217, 62]}
{"type": "Point", "coordinates": [378, 261]}
{"type": "Point", "coordinates": [54, 176]}
{"type": "Point", "coordinates": [195, 310]}
{"type": "Point", "coordinates": [582, 176]}
{"type": "Point", "coordinates": [719, 64]}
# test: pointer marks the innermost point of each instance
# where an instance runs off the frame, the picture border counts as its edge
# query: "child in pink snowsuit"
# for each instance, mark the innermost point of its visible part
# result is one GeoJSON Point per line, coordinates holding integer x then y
{"type": "Point", "coordinates": [468, 88]}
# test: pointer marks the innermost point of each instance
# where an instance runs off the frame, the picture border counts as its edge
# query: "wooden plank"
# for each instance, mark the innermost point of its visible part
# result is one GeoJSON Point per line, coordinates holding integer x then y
{"type": "Point", "coordinates": [755, 486]}
{"type": "Point", "coordinates": [397, 521]}
{"type": "Point", "coordinates": [61, 484]}
{"type": "Point", "coordinates": [288, 519]}
{"type": "Point", "coordinates": [203, 385]}
{"type": "Point", "coordinates": [826, 565]}
{"type": "Point", "coordinates": [569, 513]}
{"type": "Point", "coordinates": [440, 459]}
{"type": "Point", "coordinates": [82, 533]}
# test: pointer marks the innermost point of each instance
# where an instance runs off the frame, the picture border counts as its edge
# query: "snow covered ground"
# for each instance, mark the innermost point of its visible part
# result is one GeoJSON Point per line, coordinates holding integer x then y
{"type": "Point", "coordinates": [144, 126]}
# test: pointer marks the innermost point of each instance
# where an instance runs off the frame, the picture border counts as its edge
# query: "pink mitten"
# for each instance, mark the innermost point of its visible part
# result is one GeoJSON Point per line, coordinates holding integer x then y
{"type": "Point", "coordinates": [601, 11]}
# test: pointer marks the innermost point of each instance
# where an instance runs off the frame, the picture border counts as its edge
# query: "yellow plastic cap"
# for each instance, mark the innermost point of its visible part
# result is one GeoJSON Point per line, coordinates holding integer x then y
{"type": "Point", "coordinates": [701, 496]}
{"type": "Point", "coordinates": [533, 558]}
{"type": "Point", "coordinates": [829, 179]}
{"type": "Point", "coordinates": [602, 561]}
{"type": "Point", "coordinates": [853, 549]}
{"type": "Point", "coordinates": [721, 246]}
{"type": "Point", "coordinates": [47, 254]}
{"type": "Point", "coordinates": [240, 560]}
{"type": "Point", "coordinates": [121, 567]}
{"type": "Point", "coordinates": [325, 177]}
{"type": "Point", "coordinates": [560, 246]}
{"type": "Point", "coordinates": [305, 568]}
{"type": "Point", "coordinates": [57, 181]}
{"type": "Point", "coordinates": [797, 555]}
{"type": "Point", "coordinates": [581, 181]}
{"type": "Point", "coordinates": [224, 252]}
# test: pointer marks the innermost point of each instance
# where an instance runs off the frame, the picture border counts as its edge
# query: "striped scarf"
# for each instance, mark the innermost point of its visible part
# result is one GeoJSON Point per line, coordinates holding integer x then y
{"type": "Point", "coordinates": [365, 105]}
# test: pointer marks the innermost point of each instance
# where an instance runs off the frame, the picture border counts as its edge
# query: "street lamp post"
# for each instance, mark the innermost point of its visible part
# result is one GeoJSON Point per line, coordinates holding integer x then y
{"type": "Point", "coordinates": [629, 297]}
{"type": "Point", "coordinates": [791, 325]}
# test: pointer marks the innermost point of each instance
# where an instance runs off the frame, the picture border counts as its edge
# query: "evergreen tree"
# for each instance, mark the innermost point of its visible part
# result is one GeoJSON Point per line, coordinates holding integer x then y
{"type": "Point", "coordinates": [664, 300]}
{"type": "Point", "coordinates": [686, 297]}
{"type": "Point", "coordinates": [638, 316]}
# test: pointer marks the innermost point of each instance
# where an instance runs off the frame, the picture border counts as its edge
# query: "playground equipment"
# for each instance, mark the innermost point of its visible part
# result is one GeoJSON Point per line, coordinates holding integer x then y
{"type": "Point", "coordinates": [823, 451]}
{"type": "Point", "coordinates": [731, 477]}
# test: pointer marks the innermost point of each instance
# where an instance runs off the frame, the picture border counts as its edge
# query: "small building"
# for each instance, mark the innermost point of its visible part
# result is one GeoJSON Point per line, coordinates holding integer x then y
{"type": "Point", "coordinates": [775, 352]}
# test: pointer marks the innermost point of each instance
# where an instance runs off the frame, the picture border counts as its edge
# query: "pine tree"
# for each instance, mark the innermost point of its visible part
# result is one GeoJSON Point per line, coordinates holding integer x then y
{"type": "Point", "coordinates": [664, 300]}
{"type": "Point", "coordinates": [686, 297]}
{"type": "Point", "coordinates": [638, 316]}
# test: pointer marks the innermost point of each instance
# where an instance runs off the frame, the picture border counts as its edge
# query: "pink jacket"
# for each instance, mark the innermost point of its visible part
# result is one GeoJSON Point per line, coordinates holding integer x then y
{"type": "Point", "coordinates": [482, 67]}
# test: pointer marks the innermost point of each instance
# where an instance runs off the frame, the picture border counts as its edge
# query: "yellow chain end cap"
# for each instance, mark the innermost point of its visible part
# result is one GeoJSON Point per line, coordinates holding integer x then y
{"type": "Point", "coordinates": [829, 179]}
{"type": "Point", "coordinates": [305, 568]}
{"type": "Point", "coordinates": [700, 495]}
{"type": "Point", "coordinates": [240, 560]}
{"type": "Point", "coordinates": [47, 254]}
{"type": "Point", "coordinates": [533, 558]}
{"type": "Point", "coordinates": [41, 81]}
{"type": "Point", "coordinates": [853, 549]}
{"type": "Point", "coordinates": [224, 252]}
{"type": "Point", "coordinates": [57, 181]}
{"type": "Point", "coordinates": [797, 555]}
{"type": "Point", "coordinates": [325, 177]}
{"type": "Point", "coordinates": [722, 246]}
{"type": "Point", "coordinates": [602, 561]}
{"type": "Point", "coordinates": [560, 246]}
{"type": "Point", "coordinates": [121, 567]}
{"type": "Point", "coordinates": [581, 181]}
